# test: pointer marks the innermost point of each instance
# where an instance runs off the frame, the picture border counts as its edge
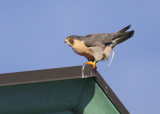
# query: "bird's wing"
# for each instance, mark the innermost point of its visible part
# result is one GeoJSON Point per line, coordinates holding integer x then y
{"type": "Point", "coordinates": [101, 39]}
{"type": "Point", "coordinates": [108, 38]}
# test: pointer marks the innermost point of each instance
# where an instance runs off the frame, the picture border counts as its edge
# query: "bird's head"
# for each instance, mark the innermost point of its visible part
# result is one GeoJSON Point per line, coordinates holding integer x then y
{"type": "Point", "coordinates": [70, 40]}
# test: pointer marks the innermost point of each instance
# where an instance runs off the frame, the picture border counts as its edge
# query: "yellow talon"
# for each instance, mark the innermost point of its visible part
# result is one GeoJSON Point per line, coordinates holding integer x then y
{"type": "Point", "coordinates": [91, 63]}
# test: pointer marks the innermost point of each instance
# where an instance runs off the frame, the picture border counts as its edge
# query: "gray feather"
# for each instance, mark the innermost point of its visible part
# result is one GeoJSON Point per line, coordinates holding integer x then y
{"type": "Point", "coordinates": [104, 39]}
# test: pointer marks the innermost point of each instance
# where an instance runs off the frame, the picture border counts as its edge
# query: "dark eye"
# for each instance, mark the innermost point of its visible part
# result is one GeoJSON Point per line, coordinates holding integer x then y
{"type": "Point", "coordinates": [71, 40]}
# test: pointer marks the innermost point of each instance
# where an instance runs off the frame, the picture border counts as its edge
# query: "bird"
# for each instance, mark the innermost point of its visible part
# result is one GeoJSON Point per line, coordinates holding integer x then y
{"type": "Point", "coordinates": [98, 46]}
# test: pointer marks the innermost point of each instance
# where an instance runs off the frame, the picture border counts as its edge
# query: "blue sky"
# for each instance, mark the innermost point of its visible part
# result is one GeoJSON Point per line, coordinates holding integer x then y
{"type": "Point", "coordinates": [32, 34]}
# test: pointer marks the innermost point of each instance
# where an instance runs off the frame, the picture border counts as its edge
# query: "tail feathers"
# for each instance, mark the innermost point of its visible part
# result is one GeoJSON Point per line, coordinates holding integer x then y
{"type": "Point", "coordinates": [124, 29]}
{"type": "Point", "coordinates": [125, 37]}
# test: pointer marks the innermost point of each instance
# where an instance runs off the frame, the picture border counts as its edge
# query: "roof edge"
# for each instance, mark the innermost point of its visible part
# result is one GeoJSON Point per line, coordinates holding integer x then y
{"type": "Point", "coordinates": [46, 75]}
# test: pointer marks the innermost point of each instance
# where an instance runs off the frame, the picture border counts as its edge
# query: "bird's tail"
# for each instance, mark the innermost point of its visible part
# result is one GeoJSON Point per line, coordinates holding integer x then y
{"type": "Point", "coordinates": [124, 35]}
{"type": "Point", "coordinates": [124, 29]}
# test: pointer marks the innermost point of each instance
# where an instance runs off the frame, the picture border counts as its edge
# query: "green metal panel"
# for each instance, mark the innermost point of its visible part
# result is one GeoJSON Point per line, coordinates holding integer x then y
{"type": "Point", "coordinates": [38, 98]}
{"type": "Point", "coordinates": [81, 96]}
{"type": "Point", "coordinates": [98, 104]}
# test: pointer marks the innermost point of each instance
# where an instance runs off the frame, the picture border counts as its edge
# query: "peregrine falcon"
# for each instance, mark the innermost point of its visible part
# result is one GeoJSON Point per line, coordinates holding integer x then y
{"type": "Point", "coordinates": [97, 47]}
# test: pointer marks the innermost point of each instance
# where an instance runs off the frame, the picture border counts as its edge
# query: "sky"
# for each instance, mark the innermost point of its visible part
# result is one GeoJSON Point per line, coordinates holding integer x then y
{"type": "Point", "coordinates": [32, 34]}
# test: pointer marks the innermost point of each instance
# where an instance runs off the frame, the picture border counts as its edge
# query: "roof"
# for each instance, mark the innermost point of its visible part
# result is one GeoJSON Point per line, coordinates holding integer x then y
{"type": "Point", "coordinates": [57, 74]}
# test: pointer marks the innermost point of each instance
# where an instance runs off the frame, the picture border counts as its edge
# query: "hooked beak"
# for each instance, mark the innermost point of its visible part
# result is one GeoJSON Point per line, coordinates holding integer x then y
{"type": "Point", "coordinates": [65, 41]}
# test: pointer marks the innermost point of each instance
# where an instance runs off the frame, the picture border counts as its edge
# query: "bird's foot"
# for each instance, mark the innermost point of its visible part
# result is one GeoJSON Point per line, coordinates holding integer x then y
{"type": "Point", "coordinates": [91, 63]}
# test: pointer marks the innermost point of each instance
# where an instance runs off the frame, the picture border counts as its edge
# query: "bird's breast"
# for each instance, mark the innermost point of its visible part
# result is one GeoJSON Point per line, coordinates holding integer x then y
{"type": "Point", "coordinates": [80, 48]}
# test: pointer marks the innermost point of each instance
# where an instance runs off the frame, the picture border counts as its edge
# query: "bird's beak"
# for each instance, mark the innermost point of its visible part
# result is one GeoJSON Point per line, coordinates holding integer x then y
{"type": "Point", "coordinates": [65, 41]}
